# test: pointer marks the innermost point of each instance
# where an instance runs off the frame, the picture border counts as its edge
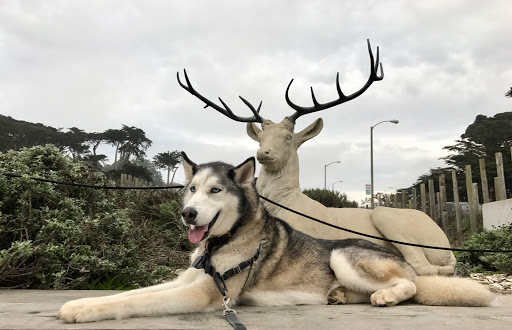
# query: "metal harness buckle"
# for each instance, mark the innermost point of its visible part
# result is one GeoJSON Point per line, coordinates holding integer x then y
{"type": "Point", "coordinates": [225, 302]}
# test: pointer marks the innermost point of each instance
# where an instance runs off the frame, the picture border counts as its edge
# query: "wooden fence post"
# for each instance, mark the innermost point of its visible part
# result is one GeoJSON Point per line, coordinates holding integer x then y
{"type": "Point", "coordinates": [472, 207]}
{"type": "Point", "coordinates": [475, 202]}
{"type": "Point", "coordinates": [501, 178]}
{"type": "Point", "coordinates": [438, 208]}
{"type": "Point", "coordinates": [423, 198]}
{"type": "Point", "coordinates": [458, 215]}
{"type": "Point", "coordinates": [442, 202]}
{"type": "Point", "coordinates": [483, 176]}
{"type": "Point", "coordinates": [497, 187]}
{"type": "Point", "coordinates": [432, 199]}
{"type": "Point", "coordinates": [414, 199]}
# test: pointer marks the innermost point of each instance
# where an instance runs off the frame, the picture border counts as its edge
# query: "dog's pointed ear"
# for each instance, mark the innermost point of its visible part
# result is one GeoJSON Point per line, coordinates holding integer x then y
{"type": "Point", "coordinates": [189, 166]}
{"type": "Point", "coordinates": [244, 173]}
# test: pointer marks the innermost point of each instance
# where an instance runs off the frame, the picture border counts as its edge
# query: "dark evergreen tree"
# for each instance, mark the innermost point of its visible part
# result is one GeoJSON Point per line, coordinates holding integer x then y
{"type": "Point", "coordinates": [169, 161]}
{"type": "Point", "coordinates": [483, 139]}
{"type": "Point", "coordinates": [136, 143]}
{"type": "Point", "coordinates": [116, 138]}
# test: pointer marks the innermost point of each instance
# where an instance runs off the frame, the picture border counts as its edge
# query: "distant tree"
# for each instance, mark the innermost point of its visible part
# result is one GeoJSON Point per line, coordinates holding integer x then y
{"type": "Point", "coordinates": [94, 140]}
{"type": "Point", "coordinates": [329, 198]}
{"type": "Point", "coordinates": [434, 174]}
{"type": "Point", "coordinates": [170, 161]}
{"type": "Point", "coordinates": [96, 161]}
{"type": "Point", "coordinates": [73, 141]}
{"type": "Point", "coordinates": [482, 139]}
{"type": "Point", "coordinates": [136, 143]}
{"type": "Point", "coordinates": [126, 167]}
{"type": "Point", "coordinates": [16, 134]}
{"type": "Point", "coordinates": [156, 175]}
{"type": "Point", "coordinates": [116, 138]}
{"type": "Point", "coordinates": [379, 199]}
{"type": "Point", "coordinates": [509, 93]}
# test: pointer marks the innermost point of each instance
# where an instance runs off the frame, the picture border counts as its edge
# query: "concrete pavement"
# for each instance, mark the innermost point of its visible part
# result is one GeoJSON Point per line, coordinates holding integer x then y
{"type": "Point", "coordinates": [36, 309]}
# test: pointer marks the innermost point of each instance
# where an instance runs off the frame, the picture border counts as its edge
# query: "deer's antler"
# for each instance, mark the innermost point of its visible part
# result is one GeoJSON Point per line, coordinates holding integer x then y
{"type": "Point", "coordinates": [299, 111]}
{"type": "Point", "coordinates": [226, 111]}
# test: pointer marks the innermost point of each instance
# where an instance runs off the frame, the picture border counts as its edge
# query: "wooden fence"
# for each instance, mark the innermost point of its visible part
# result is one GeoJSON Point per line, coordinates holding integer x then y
{"type": "Point", "coordinates": [130, 181]}
{"type": "Point", "coordinates": [435, 204]}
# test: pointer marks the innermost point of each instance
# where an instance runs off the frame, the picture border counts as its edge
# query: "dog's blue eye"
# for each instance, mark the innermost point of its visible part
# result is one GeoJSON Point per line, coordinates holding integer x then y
{"type": "Point", "coordinates": [215, 190]}
{"type": "Point", "coordinates": [193, 189]}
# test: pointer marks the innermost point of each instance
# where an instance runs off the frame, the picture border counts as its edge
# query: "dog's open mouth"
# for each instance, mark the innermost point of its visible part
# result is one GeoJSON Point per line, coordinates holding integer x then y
{"type": "Point", "coordinates": [198, 233]}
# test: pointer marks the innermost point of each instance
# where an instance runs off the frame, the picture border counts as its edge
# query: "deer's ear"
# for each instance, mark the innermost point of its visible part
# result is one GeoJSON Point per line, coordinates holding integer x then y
{"type": "Point", "coordinates": [311, 131]}
{"type": "Point", "coordinates": [189, 166]}
{"type": "Point", "coordinates": [253, 130]}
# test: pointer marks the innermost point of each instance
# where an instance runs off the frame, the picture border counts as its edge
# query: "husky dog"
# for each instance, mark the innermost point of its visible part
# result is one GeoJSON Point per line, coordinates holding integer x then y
{"type": "Point", "coordinates": [252, 258]}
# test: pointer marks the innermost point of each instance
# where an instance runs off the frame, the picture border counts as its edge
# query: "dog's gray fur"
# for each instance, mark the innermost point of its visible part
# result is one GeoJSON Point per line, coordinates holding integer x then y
{"type": "Point", "coordinates": [292, 268]}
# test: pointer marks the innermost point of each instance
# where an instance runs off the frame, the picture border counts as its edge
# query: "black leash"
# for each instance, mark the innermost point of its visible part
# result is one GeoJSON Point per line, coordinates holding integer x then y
{"type": "Point", "coordinates": [9, 175]}
{"type": "Point", "coordinates": [381, 238]}
{"type": "Point", "coordinates": [270, 201]}
{"type": "Point", "coordinates": [230, 315]}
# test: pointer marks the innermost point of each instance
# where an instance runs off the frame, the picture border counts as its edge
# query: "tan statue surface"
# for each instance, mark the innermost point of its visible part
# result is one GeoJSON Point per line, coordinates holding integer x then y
{"type": "Point", "coordinates": [278, 181]}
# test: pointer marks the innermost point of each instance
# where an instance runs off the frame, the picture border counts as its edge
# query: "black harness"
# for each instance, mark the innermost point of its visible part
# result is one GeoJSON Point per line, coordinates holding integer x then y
{"type": "Point", "coordinates": [204, 262]}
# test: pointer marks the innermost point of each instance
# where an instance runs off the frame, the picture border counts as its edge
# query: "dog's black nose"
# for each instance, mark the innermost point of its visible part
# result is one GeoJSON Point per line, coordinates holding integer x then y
{"type": "Point", "coordinates": [189, 214]}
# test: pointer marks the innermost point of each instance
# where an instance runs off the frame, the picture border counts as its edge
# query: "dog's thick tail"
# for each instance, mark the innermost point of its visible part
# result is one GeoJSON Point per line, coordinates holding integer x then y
{"type": "Point", "coordinates": [451, 291]}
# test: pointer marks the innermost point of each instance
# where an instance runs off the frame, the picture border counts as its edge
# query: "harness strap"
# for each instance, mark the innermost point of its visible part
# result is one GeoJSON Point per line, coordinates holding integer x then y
{"type": "Point", "coordinates": [203, 262]}
{"type": "Point", "coordinates": [243, 265]}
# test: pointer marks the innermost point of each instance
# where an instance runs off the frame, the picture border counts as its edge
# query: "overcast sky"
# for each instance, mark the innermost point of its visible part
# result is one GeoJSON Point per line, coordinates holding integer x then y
{"type": "Point", "coordinates": [100, 64]}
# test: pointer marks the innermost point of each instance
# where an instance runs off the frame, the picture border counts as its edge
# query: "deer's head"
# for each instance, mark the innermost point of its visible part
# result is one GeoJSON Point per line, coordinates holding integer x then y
{"type": "Point", "coordinates": [279, 142]}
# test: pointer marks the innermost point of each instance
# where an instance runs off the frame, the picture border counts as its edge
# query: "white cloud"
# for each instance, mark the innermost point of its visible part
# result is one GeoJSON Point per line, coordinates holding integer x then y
{"type": "Point", "coordinates": [100, 64]}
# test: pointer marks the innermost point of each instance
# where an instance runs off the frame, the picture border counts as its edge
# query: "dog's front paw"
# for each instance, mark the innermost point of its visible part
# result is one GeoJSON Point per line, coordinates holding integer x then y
{"type": "Point", "coordinates": [86, 310]}
{"type": "Point", "coordinates": [383, 298]}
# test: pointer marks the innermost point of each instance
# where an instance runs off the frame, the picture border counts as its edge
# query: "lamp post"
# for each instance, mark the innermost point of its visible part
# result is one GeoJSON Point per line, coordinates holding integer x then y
{"type": "Point", "coordinates": [394, 121]}
{"type": "Point", "coordinates": [325, 173]}
{"type": "Point", "coordinates": [332, 187]}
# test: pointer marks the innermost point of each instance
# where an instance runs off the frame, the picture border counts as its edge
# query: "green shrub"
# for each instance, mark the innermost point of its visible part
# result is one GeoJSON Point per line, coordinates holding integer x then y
{"type": "Point", "coordinates": [329, 198]}
{"type": "Point", "coordinates": [499, 239]}
{"type": "Point", "coordinates": [56, 236]}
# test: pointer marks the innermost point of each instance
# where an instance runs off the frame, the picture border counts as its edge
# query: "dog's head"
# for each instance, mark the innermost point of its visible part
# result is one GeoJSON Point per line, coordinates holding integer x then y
{"type": "Point", "coordinates": [214, 196]}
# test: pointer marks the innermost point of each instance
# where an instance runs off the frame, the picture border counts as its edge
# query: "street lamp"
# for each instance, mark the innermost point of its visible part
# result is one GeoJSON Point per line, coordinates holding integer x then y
{"type": "Point", "coordinates": [394, 121]}
{"type": "Point", "coordinates": [325, 173]}
{"type": "Point", "coordinates": [332, 187]}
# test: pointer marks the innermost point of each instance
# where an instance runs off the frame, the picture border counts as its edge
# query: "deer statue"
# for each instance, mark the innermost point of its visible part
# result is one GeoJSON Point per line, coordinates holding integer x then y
{"type": "Point", "coordinates": [278, 181]}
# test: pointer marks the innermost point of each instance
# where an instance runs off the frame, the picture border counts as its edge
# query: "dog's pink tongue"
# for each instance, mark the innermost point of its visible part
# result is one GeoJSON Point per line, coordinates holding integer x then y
{"type": "Point", "coordinates": [196, 234]}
